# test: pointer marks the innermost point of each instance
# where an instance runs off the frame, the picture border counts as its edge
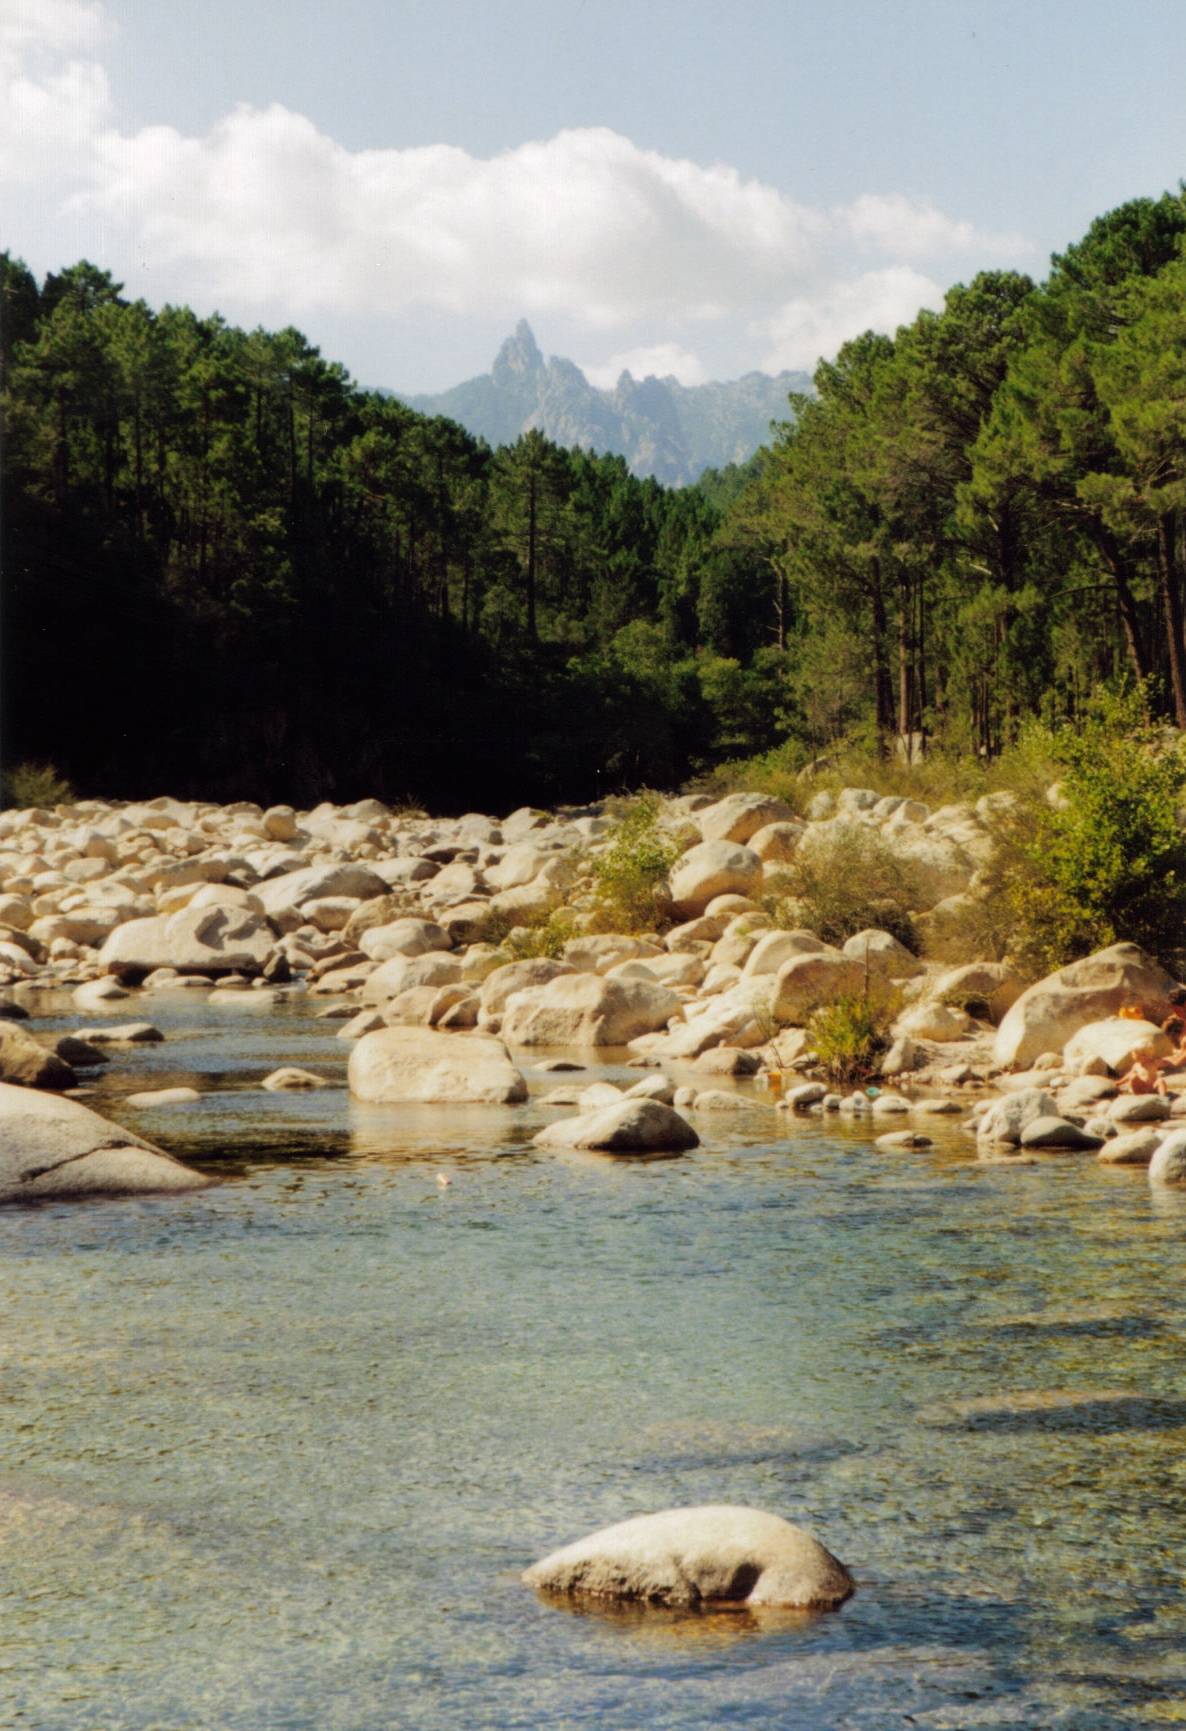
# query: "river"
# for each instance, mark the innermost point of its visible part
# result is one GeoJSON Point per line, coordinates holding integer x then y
{"type": "Point", "coordinates": [273, 1455]}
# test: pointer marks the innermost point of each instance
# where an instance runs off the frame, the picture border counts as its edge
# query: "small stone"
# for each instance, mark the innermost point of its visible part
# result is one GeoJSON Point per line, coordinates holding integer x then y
{"type": "Point", "coordinates": [125, 1034]}
{"type": "Point", "coordinates": [720, 1100]}
{"type": "Point", "coordinates": [904, 1139]}
{"type": "Point", "coordinates": [163, 1097]}
{"type": "Point", "coordinates": [290, 1077]}
{"type": "Point", "coordinates": [1049, 1131]}
{"type": "Point", "coordinates": [804, 1094]}
{"type": "Point", "coordinates": [1137, 1148]}
{"type": "Point", "coordinates": [1139, 1109]}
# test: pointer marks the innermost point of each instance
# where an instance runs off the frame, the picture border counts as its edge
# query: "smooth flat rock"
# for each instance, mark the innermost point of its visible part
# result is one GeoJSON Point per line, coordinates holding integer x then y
{"type": "Point", "coordinates": [163, 1097]}
{"type": "Point", "coordinates": [55, 1147]}
{"type": "Point", "coordinates": [125, 1034]}
{"type": "Point", "coordinates": [717, 1554]}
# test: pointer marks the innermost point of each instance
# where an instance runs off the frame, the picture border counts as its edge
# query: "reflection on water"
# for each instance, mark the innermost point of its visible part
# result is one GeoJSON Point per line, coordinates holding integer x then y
{"type": "Point", "coordinates": [274, 1455]}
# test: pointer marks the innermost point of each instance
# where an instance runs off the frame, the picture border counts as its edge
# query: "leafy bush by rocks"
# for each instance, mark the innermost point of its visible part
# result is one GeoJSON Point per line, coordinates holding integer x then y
{"type": "Point", "coordinates": [843, 880]}
{"type": "Point", "coordinates": [849, 1036]}
{"type": "Point", "coordinates": [529, 940]}
{"type": "Point", "coordinates": [630, 891]}
{"type": "Point", "coordinates": [35, 784]}
{"type": "Point", "coordinates": [1106, 861]}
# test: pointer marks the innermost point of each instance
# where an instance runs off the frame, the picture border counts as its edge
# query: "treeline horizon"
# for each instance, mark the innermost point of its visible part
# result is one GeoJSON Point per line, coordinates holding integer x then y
{"type": "Point", "coordinates": [230, 572]}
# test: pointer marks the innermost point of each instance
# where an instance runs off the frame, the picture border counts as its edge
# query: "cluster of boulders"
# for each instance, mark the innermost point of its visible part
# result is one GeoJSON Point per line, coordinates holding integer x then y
{"type": "Point", "coordinates": [420, 936]}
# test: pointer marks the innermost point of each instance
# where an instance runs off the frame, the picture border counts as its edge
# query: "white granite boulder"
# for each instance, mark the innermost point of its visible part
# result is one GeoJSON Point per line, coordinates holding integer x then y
{"type": "Point", "coordinates": [699, 1556]}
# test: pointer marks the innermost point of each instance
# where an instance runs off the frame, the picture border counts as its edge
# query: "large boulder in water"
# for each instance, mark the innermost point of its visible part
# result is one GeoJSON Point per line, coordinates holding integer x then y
{"type": "Point", "coordinates": [217, 940]}
{"type": "Point", "coordinates": [635, 1126]}
{"type": "Point", "coordinates": [1046, 1016]}
{"type": "Point", "coordinates": [420, 1065]}
{"type": "Point", "coordinates": [55, 1147]}
{"type": "Point", "coordinates": [700, 1556]}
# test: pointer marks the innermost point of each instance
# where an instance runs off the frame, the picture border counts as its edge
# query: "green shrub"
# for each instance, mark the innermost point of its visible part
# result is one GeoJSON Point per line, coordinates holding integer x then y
{"type": "Point", "coordinates": [528, 939]}
{"type": "Point", "coordinates": [30, 784]}
{"type": "Point", "coordinates": [630, 892]}
{"type": "Point", "coordinates": [849, 1036]}
{"type": "Point", "coordinates": [1108, 862]}
{"type": "Point", "coordinates": [843, 881]}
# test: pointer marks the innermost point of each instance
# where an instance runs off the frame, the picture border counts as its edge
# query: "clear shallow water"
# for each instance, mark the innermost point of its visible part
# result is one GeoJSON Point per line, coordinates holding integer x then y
{"type": "Point", "coordinates": [274, 1455]}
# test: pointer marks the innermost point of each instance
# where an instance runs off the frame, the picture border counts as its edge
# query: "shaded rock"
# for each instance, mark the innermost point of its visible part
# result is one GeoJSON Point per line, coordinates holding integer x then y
{"type": "Point", "coordinates": [699, 1556]}
{"type": "Point", "coordinates": [904, 1139]}
{"type": "Point", "coordinates": [26, 1063]}
{"type": "Point", "coordinates": [1051, 1131]}
{"type": "Point", "coordinates": [884, 956]}
{"type": "Point", "coordinates": [55, 1147]}
{"type": "Point", "coordinates": [422, 1065]}
{"type": "Point", "coordinates": [729, 1061]}
{"type": "Point", "coordinates": [981, 988]}
{"type": "Point", "coordinates": [77, 1052]}
{"type": "Point", "coordinates": [721, 1100]}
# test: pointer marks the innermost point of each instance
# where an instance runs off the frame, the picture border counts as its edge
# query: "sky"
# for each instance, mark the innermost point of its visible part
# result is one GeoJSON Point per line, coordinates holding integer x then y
{"type": "Point", "coordinates": [673, 186]}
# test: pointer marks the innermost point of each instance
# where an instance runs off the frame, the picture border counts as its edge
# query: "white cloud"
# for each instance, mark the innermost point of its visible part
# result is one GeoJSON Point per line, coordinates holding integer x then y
{"type": "Point", "coordinates": [648, 259]}
{"type": "Point", "coordinates": [52, 26]}
{"type": "Point", "coordinates": [265, 201]}
{"type": "Point", "coordinates": [52, 106]}
{"type": "Point", "coordinates": [660, 360]}
{"type": "Point", "coordinates": [809, 326]}
{"type": "Point", "coordinates": [914, 228]}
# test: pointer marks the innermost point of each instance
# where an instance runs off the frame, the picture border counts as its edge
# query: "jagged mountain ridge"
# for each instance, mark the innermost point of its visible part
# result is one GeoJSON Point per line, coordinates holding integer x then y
{"type": "Point", "coordinates": [671, 431]}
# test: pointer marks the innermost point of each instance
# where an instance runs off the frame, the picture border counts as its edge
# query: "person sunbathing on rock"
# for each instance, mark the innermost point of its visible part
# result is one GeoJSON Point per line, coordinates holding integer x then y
{"type": "Point", "coordinates": [1144, 1074]}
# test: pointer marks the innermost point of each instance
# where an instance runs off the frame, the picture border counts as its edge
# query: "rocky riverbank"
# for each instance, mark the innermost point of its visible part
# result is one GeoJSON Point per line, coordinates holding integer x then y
{"type": "Point", "coordinates": [422, 937]}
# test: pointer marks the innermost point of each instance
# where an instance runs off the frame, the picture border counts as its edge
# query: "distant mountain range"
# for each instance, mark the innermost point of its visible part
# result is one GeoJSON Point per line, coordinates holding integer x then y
{"type": "Point", "coordinates": [661, 427]}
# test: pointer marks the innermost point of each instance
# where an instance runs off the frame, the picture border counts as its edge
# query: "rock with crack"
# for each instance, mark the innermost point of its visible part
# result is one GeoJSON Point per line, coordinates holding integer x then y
{"type": "Point", "coordinates": [59, 1148]}
{"type": "Point", "coordinates": [716, 1555]}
